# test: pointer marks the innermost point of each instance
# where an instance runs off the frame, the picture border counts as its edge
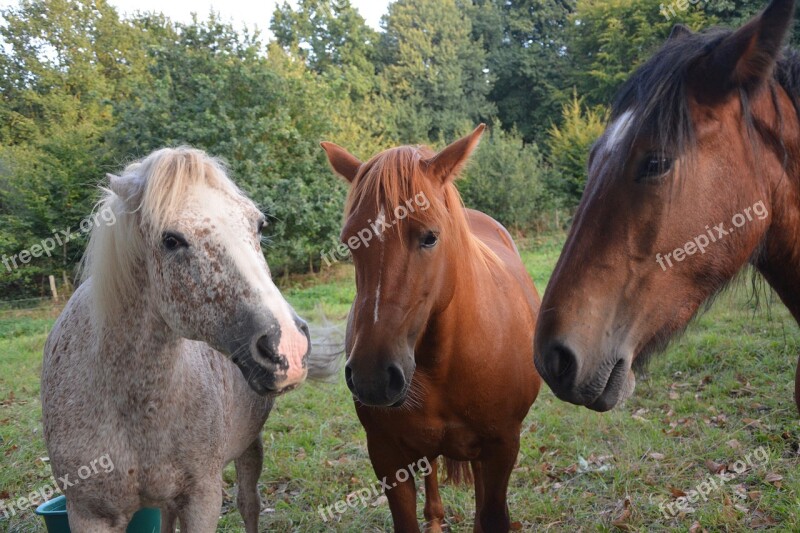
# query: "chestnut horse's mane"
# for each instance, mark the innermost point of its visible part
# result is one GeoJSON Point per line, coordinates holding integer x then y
{"type": "Point", "coordinates": [657, 91]}
{"type": "Point", "coordinates": [394, 177]}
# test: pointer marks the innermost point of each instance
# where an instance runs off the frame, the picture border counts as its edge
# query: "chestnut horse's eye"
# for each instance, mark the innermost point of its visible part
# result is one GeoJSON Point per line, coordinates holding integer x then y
{"type": "Point", "coordinates": [429, 240]}
{"type": "Point", "coordinates": [173, 241]}
{"type": "Point", "coordinates": [655, 166]}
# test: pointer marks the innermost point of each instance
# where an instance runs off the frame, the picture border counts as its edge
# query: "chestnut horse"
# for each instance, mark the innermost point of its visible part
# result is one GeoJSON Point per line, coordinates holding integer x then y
{"type": "Point", "coordinates": [697, 175]}
{"type": "Point", "coordinates": [440, 336]}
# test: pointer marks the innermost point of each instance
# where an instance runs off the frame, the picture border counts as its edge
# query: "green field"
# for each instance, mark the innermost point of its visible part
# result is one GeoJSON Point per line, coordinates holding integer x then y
{"type": "Point", "coordinates": [722, 394]}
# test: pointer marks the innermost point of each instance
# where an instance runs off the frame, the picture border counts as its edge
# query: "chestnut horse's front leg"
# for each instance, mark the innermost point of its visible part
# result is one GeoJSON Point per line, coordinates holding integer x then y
{"type": "Point", "coordinates": [434, 510]}
{"type": "Point", "coordinates": [388, 461]}
{"type": "Point", "coordinates": [495, 471]}
{"type": "Point", "coordinates": [797, 387]}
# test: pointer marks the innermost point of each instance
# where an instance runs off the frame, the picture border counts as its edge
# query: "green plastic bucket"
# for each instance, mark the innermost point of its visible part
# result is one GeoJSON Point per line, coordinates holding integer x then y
{"type": "Point", "coordinates": [54, 513]}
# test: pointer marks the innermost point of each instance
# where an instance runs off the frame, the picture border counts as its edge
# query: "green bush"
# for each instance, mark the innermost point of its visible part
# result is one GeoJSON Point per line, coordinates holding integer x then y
{"type": "Point", "coordinates": [569, 146]}
{"type": "Point", "coordinates": [506, 180]}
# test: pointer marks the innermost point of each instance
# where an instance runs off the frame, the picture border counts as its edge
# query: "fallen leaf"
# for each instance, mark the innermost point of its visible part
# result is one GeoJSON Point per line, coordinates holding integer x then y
{"type": "Point", "coordinates": [657, 456]}
{"type": "Point", "coordinates": [621, 521]}
{"type": "Point", "coordinates": [774, 479]}
{"type": "Point", "coordinates": [734, 444]}
{"type": "Point", "coordinates": [715, 468]}
{"type": "Point", "coordinates": [677, 493]}
{"type": "Point", "coordinates": [516, 526]}
{"type": "Point", "coordinates": [696, 528]}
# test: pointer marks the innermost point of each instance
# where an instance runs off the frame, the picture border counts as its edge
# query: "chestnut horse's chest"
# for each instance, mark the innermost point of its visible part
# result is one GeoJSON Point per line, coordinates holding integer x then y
{"type": "Point", "coordinates": [430, 430]}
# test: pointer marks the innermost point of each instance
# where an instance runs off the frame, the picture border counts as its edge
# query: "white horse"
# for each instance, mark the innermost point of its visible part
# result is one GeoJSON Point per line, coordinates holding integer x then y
{"type": "Point", "coordinates": [141, 367]}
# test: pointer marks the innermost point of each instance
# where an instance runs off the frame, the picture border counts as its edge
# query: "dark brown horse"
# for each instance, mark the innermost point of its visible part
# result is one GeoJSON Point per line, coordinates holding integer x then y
{"type": "Point", "coordinates": [440, 334]}
{"type": "Point", "coordinates": [697, 175]}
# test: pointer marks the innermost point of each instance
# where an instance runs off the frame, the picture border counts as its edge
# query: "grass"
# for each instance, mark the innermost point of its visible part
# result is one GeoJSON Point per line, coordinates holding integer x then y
{"type": "Point", "coordinates": [722, 393]}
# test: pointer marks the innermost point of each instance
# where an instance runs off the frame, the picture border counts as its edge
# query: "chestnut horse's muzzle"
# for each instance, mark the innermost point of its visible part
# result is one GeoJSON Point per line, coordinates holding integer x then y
{"type": "Point", "coordinates": [599, 388]}
{"type": "Point", "coordinates": [386, 385]}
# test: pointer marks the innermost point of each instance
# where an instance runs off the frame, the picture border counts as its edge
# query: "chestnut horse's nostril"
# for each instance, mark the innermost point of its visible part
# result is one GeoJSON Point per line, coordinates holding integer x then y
{"type": "Point", "coordinates": [396, 384]}
{"type": "Point", "coordinates": [348, 378]}
{"type": "Point", "coordinates": [268, 350]}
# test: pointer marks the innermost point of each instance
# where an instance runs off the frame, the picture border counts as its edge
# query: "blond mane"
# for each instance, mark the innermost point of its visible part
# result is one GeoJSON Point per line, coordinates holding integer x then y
{"type": "Point", "coordinates": [144, 201]}
{"type": "Point", "coordinates": [395, 176]}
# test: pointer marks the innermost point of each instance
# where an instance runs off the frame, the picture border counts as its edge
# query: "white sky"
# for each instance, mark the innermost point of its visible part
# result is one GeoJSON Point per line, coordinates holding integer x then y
{"type": "Point", "coordinates": [241, 12]}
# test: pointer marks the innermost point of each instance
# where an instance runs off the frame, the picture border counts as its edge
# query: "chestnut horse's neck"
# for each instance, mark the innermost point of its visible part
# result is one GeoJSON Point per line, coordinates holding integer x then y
{"type": "Point", "coordinates": [474, 283]}
{"type": "Point", "coordinates": [779, 258]}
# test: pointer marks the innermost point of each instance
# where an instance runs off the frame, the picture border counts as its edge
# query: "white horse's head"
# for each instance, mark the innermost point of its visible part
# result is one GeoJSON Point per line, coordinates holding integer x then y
{"type": "Point", "coordinates": [190, 236]}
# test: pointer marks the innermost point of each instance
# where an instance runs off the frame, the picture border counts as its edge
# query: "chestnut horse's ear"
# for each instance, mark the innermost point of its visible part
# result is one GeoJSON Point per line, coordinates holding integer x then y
{"type": "Point", "coordinates": [679, 31]}
{"type": "Point", "coordinates": [343, 162]}
{"type": "Point", "coordinates": [449, 162]}
{"type": "Point", "coordinates": [746, 57]}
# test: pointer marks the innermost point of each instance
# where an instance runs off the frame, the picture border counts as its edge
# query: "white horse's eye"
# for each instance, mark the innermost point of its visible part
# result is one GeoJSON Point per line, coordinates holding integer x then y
{"type": "Point", "coordinates": [262, 224]}
{"type": "Point", "coordinates": [173, 241]}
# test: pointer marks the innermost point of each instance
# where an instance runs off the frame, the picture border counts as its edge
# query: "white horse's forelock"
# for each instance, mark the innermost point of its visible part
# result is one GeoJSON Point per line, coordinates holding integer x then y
{"type": "Point", "coordinates": [144, 201]}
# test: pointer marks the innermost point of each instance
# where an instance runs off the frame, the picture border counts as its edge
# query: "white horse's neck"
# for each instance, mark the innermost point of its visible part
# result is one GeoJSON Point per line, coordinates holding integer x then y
{"type": "Point", "coordinates": [137, 354]}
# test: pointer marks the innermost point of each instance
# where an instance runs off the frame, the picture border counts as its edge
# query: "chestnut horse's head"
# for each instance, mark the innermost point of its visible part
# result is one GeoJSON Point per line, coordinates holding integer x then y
{"type": "Point", "coordinates": [680, 196]}
{"type": "Point", "coordinates": [406, 230]}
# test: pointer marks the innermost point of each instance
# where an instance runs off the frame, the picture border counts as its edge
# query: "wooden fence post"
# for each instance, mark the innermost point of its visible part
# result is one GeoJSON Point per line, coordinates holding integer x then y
{"type": "Point", "coordinates": [53, 288]}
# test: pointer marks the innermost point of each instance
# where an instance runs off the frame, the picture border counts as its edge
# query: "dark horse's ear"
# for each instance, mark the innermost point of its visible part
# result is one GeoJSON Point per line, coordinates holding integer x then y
{"type": "Point", "coordinates": [449, 162]}
{"type": "Point", "coordinates": [679, 31]}
{"type": "Point", "coordinates": [747, 56]}
{"type": "Point", "coordinates": [343, 162]}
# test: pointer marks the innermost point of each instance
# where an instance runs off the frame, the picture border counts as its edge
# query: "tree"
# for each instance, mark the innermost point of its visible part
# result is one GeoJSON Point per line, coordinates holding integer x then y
{"type": "Point", "coordinates": [608, 40]}
{"type": "Point", "coordinates": [525, 42]}
{"type": "Point", "coordinates": [215, 89]}
{"type": "Point", "coordinates": [569, 149]}
{"type": "Point", "coordinates": [434, 69]}
{"type": "Point", "coordinates": [63, 64]}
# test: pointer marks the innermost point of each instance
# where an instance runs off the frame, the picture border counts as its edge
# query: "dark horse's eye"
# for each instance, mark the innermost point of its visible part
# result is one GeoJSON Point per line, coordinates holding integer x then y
{"type": "Point", "coordinates": [173, 241]}
{"type": "Point", "coordinates": [429, 240]}
{"type": "Point", "coordinates": [655, 166]}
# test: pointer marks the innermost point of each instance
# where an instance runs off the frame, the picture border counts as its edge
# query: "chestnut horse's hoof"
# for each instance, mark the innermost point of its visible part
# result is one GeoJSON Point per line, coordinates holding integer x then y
{"type": "Point", "coordinates": [434, 526]}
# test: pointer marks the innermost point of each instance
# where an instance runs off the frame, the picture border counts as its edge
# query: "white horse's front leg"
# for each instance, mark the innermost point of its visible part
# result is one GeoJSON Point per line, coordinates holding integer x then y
{"type": "Point", "coordinates": [83, 521]}
{"type": "Point", "coordinates": [201, 512]}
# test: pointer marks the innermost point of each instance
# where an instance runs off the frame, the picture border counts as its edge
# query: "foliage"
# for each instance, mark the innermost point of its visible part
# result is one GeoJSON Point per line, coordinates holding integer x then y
{"type": "Point", "coordinates": [525, 42]}
{"type": "Point", "coordinates": [434, 70]}
{"type": "Point", "coordinates": [507, 178]}
{"type": "Point", "coordinates": [83, 91]}
{"type": "Point", "coordinates": [570, 144]}
{"type": "Point", "coordinates": [609, 39]}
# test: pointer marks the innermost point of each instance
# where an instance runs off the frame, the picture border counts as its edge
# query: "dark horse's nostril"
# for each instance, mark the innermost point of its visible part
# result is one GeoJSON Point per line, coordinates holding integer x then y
{"type": "Point", "coordinates": [348, 377]}
{"type": "Point", "coordinates": [268, 351]}
{"type": "Point", "coordinates": [397, 382]}
{"type": "Point", "coordinates": [561, 365]}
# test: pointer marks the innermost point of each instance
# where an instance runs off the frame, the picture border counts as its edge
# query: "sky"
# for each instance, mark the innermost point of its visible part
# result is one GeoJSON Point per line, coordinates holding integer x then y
{"type": "Point", "coordinates": [241, 12]}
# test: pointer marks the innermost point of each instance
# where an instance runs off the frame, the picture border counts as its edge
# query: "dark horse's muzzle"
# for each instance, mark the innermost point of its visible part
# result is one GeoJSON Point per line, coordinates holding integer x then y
{"type": "Point", "coordinates": [600, 388]}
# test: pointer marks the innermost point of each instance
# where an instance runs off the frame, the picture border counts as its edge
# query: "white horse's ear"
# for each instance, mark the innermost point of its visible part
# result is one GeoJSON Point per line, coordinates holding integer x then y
{"type": "Point", "coordinates": [125, 187]}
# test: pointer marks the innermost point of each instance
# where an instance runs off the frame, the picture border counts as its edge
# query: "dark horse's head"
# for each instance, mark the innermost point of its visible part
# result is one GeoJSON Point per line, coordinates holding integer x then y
{"type": "Point", "coordinates": [406, 229]}
{"type": "Point", "coordinates": [682, 193]}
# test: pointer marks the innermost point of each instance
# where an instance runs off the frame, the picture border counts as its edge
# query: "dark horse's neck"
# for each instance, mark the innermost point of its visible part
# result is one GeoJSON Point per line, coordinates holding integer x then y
{"type": "Point", "coordinates": [779, 257]}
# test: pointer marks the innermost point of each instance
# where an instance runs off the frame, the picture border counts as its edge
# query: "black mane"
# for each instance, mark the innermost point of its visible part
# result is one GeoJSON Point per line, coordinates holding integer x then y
{"type": "Point", "coordinates": [657, 90]}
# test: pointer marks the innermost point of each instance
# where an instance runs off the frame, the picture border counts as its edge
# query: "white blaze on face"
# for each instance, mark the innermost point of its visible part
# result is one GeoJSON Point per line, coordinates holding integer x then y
{"type": "Point", "coordinates": [381, 218]}
{"type": "Point", "coordinates": [618, 130]}
{"type": "Point", "coordinates": [225, 212]}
